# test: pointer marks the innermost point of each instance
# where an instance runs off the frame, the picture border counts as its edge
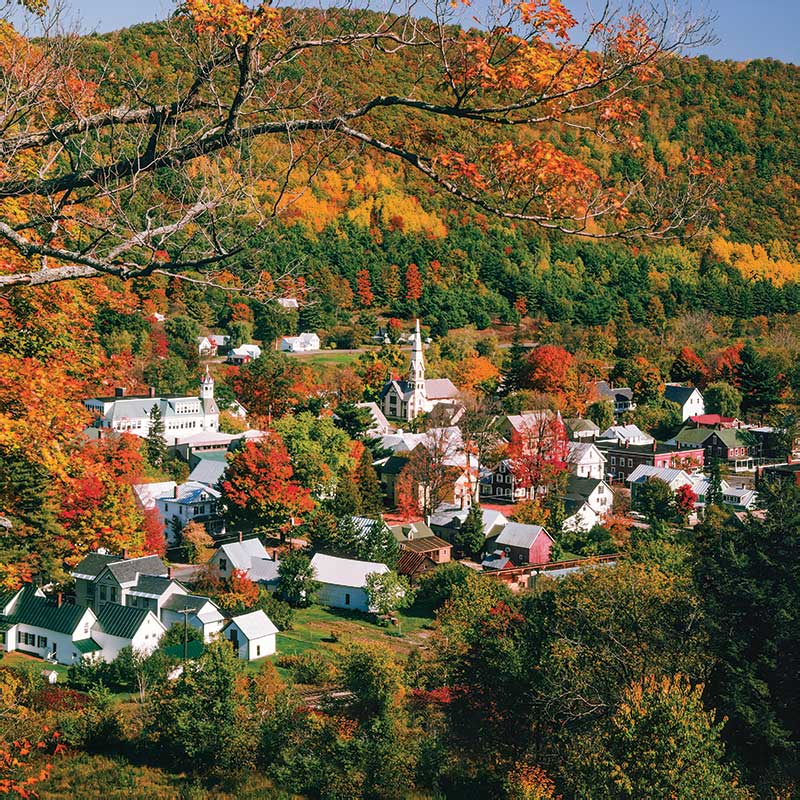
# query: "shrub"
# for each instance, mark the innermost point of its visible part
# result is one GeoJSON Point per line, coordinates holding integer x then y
{"type": "Point", "coordinates": [309, 667]}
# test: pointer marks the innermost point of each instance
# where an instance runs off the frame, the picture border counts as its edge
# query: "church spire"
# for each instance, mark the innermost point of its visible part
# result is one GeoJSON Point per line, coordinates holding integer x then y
{"type": "Point", "coordinates": [416, 373]}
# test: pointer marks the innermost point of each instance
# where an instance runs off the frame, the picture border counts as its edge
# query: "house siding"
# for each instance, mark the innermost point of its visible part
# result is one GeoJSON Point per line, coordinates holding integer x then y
{"type": "Point", "coordinates": [334, 595]}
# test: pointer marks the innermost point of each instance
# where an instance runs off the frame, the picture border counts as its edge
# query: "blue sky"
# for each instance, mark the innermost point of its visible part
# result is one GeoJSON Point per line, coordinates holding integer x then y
{"type": "Point", "coordinates": [746, 28]}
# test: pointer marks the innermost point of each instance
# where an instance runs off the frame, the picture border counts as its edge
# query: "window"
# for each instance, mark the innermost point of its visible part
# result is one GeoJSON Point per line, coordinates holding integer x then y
{"type": "Point", "coordinates": [112, 591]}
{"type": "Point", "coordinates": [630, 462]}
{"type": "Point", "coordinates": [347, 599]}
{"type": "Point", "coordinates": [258, 650]}
{"type": "Point", "coordinates": [103, 595]}
{"type": "Point", "coordinates": [86, 627]}
{"type": "Point", "coordinates": [223, 564]}
{"type": "Point", "coordinates": [614, 460]}
{"type": "Point", "coordinates": [42, 641]}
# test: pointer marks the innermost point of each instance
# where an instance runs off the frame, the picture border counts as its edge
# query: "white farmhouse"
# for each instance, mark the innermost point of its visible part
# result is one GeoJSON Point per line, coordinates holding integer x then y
{"type": "Point", "coordinates": [121, 626]}
{"type": "Point", "coordinates": [180, 415]}
{"type": "Point", "coordinates": [252, 635]}
{"type": "Point", "coordinates": [344, 581]}
{"type": "Point", "coordinates": [244, 354]}
{"type": "Point", "coordinates": [585, 460]}
{"type": "Point", "coordinates": [304, 343]}
{"type": "Point", "coordinates": [688, 398]}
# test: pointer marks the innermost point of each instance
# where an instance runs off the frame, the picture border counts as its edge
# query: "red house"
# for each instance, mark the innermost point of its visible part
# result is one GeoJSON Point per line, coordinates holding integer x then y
{"type": "Point", "coordinates": [525, 544]}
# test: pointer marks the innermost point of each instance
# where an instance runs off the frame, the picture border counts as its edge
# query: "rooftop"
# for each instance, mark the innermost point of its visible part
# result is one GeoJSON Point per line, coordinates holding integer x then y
{"type": "Point", "coordinates": [121, 621]}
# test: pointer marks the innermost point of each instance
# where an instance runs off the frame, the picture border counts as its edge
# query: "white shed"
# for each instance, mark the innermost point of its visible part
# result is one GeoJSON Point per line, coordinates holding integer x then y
{"type": "Point", "coordinates": [252, 635]}
{"type": "Point", "coordinates": [344, 581]}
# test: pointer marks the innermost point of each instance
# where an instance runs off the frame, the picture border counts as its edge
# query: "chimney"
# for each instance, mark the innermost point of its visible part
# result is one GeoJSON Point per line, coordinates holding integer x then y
{"type": "Point", "coordinates": [59, 599]}
{"type": "Point", "coordinates": [152, 391]}
{"type": "Point", "coordinates": [240, 536]}
{"type": "Point", "coordinates": [119, 391]}
{"type": "Point", "coordinates": [125, 554]}
{"type": "Point", "coordinates": [654, 445]}
{"type": "Point", "coordinates": [627, 443]}
{"type": "Point", "coordinates": [170, 572]}
{"type": "Point", "coordinates": [175, 492]}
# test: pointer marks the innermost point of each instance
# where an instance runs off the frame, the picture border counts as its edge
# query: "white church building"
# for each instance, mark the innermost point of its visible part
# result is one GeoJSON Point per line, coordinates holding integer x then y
{"type": "Point", "coordinates": [181, 415]}
{"type": "Point", "coordinates": [405, 399]}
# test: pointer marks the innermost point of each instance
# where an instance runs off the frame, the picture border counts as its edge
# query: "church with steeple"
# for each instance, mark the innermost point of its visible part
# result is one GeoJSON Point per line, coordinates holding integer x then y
{"type": "Point", "coordinates": [407, 399]}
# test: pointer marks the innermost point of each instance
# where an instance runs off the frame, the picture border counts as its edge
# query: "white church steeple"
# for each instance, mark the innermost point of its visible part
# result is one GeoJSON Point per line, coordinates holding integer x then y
{"type": "Point", "coordinates": [416, 377]}
{"type": "Point", "coordinates": [207, 386]}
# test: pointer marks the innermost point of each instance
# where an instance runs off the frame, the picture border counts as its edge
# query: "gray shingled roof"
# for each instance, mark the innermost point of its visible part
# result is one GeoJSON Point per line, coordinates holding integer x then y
{"type": "Point", "coordinates": [678, 394]}
{"type": "Point", "coordinates": [180, 602]}
{"type": "Point", "coordinates": [127, 570]}
{"type": "Point", "coordinates": [152, 584]}
{"type": "Point", "coordinates": [93, 564]}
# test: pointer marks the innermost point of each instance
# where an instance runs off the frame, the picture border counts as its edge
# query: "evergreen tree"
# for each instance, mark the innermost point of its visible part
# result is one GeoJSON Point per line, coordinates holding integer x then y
{"type": "Point", "coordinates": [759, 381]}
{"type": "Point", "coordinates": [714, 495]}
{"type": "Point", "coordinates": [369, 488]}
{"type": "Point", "coordinates": [469, 538]}
{"type": "Point", "coordinates": [155, 444]}
{"type": "Point", "coordinates": [296, 579]}
{"type": "Point", "coordinates": [348, 498]}
{"type": "Point", "coordinates": [515, 367]}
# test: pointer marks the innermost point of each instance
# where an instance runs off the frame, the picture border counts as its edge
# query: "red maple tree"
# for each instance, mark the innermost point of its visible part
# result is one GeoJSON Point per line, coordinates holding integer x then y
{"type": "Point", "coordinates": [413, 283]}
{"type": "Point", "coordinates": [364, 288]}
{"type": "Point", "coordinates": [538, 452]}
{"type": "Point", "coordinates": [259, 490]}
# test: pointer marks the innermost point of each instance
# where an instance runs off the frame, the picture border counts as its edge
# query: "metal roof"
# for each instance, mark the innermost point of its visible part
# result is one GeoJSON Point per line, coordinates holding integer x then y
{"type": "Point", "coordinates": [253, 625]}
{"type": "Point", "coordinates": [86, 646]}
{"type": "Point", "coordinates": [345, 571]}
{"type": "Point", "coordinates": [515, 534]}
{"type": "Point", "coordinates": [40, 612]}
{"type": "Point", "coordinates": [121, 621]}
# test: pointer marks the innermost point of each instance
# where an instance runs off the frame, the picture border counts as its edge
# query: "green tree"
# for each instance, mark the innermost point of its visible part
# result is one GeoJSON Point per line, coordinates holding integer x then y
{"type": "Point", "coordinates": [515, 368]}
{"type": "Point", "coordinates": [470, 538]}
{"type": "Point", "coordinates": [320, 451]}
{"type": "Point", "coordinates": [377, 543]}
{"type": "Point", "coordinates": [354, 420]}
{"type": "Point", "coordinates": [370, 672]}
{"type": "Point", "coordinates": [656, 500]}
{"type": "Point", "coordinates": [722, 398]}
{"type": "Point", "coordinates": [746, 578]}
{"type": "Point", "coordinates": [660, 742]}
{"type": "Point", "coordinates": [601, 412]}
{"type": "Point", "coordinates": [347, 500]}
{"type": "Point", "coordinates": [175, 635]}
{"type": "Point", "coordinates": [714, 497]}
{"type": "Point", "coordinates": [759, 380]}
{"type": "Point", "coordinates": [369, 487]}
{"type": "Point", "coordinates": [388, 592]}
{"type": "Point", "coordinates": [297, 581]}
{"type": "Point", "coordinates": [195, 722]}
{"type": "Point", "coordinates": [155, 446]}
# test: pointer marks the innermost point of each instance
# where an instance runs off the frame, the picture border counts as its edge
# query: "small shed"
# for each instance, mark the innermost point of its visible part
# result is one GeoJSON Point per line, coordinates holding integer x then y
{"type": "Point", "coordinates": [252, 635]}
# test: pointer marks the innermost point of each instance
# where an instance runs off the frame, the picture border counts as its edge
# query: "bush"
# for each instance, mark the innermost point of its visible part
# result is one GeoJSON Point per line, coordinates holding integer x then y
{"type": "Point", "coordinates": [437, 586]}
{"type": "Point", "coordinates": [279, 612]}
{"type": "Point", "coordinates": [309, 667]}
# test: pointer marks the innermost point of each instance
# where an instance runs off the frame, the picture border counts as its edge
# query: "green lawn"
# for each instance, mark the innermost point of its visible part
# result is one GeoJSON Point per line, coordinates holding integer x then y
{"type": "Point", "coordinates": [328, 358]}
{"type": "Point", "coordinates": [17, 659]}
{"type": "Point", "coordinates": [316, 627]}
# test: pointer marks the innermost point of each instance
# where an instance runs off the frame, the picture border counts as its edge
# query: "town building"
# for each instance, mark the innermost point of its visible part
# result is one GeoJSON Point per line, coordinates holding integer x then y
{"type": "Point", "coordinates": [620, 396]}
{"type": "Point", "coordinates": [418, 556]}
{"type": "Point", "coordinates": [304, 343]}
{"type": "Point", "coordinates": [622, 459]}
{"type": "Point", "coordinates": [688, 398]}
{"type": "Point", "coordinates": [344, 581]}
{"type": "Point", "coordinates": [579, 429]}
{"type": "Point", "coordinates": [587, 501]}
{"type": "Point", "coordinates": [525, 544]}
{"type": "Point", "coordinates": [252, 635]}
{"type": "Point", "coordinates": [736, 447]}
{"type": "Point", "coordinates": [180, 414]}
{"type": "Point", "coordinates": [244, 354]}
{"type": "Point", "coordinates": [586, 460]}
{"type": "Point", "coordinates": [406, 399]}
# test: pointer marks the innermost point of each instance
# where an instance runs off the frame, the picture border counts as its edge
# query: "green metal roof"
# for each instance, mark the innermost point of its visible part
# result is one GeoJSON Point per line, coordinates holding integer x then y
{"type": "Point", "coordinates": [86, 646]}
{"type": "Point", "coordinates": [694, 435]}
{"type": "Point", "coordinates": [122, 621]}
{"type": "Point", "coordinates": [43, 613]}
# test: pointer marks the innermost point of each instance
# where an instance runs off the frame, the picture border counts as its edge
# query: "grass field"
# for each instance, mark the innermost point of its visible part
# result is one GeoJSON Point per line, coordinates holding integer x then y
{"type": "Point", "coordinates": [328, 357]}
{"type": "Point", "coordinates": [322, 628]}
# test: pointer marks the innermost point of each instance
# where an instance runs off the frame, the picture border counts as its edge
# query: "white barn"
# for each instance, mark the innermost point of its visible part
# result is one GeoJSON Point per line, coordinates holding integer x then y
{"type": "Point", "coordinates": [344, 581]}
{"type": "Point", "coordinates": [252, 635]}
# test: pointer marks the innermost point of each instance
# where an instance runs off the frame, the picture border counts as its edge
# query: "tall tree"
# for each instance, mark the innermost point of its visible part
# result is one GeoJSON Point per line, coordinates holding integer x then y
{"type": "Point", "coordinates": [369, 487]}
{"type": "Point", "coordinates": [722, 398]}
{"type": "Point", "coordinates": [470, 538]}
{"type": "Point", "coordinates": [745, 573]}
{"type": "Point", "coordinates": [297, 580]}
{"type": "Point", "coordinates": [538, 452]}
{"type": "Point", "coordinates": [759, 380]}
{"type": "Point", "coordinates": [259, 491]}
{"type": "Point", "coordinates": [155, 444]}
{"type": "Point", "coordinates": [479, 431]}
